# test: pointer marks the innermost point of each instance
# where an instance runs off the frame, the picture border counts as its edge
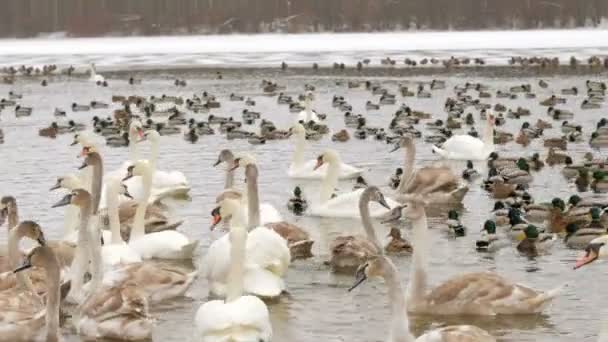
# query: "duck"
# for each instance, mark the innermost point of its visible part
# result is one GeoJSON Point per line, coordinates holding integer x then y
{"type": "Point", "coordinates": [454, 227]}
{"type": "Point", "coordinates": [397, 244]}
{"type": "Point", "coordinates": [191, 135]}
{"type": "Point", "coordinates": [301, 169]}
{"type": "Point", "coordinates": [490, 241]}
{"type": "Point", "coordinates": [237, 316]}
{"type": "Point", "coordinates": [466, 147]}
{"type": "Point", "coordinates": [98, 105]}
{"type": "Point", "coordinates": [560, 143]}
{"type": "Point", "coordinates": [600, 182]}
{"type": "Point", "coordinates": [80, 108]}
{"type": "Point", "coordinates": [50, 132]}
{"type": "Point", "coordinates": [587, 104]}
{"type": "Point", "coordinates": [533, 243]}
{"type": "Point", "coordinates": [470, 173]}
{"type": "Point", "coordinates": [341, 136]}
{"type": "Point", "coordinates": [580, 238]}
{"type": "Point", "coordinates": [582, 180]}
{"type": "Point", "coordinates": [350, 251]}
{"type": "Point", "coordinates": [21, 111]}
{"type": "Point", "coordinates": [468, 289]}
{"type": "Point", "coordinates": [554, 157]}
{"type": "Point", "coordinates": [381, 266]}
{"type": "Point", "coordinates": [395, 179]}
{"type": "Point", "coordinates": [297, 204]}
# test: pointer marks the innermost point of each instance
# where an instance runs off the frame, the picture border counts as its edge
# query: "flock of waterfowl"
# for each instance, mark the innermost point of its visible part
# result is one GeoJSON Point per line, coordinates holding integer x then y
{"type": "Point", "coordinates": [116, 257]}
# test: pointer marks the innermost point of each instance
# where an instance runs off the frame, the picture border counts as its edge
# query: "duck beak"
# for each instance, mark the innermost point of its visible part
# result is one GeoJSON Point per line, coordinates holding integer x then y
{"type": "Point", "coordinates": [591, 254]}
{"type": "Point", "coordinates": [66, 200]}
{"type": "Point", "coordinates": [26, 264]}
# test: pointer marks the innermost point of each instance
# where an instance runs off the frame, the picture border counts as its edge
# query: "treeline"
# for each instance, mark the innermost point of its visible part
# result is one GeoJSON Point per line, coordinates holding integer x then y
{"type": "Point", "coordinates": [26, 18]}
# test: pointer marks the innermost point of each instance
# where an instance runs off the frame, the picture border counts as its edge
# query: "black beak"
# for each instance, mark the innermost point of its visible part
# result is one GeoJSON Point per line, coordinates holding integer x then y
{"type": "Point", "coordinates": [74, 143]}
{"type": "Point", "coordinates": [66, 200]}
{"type": "Point", "coordinates": [395, 148]}
{"type": "Point", "coordinates": [360, 278]}
{"type": "Point", "coordinates": [26, 264]}
{"type": "Point", "coordinates": [56, 186]}
{"type": "Point", "coordinates": [218, 162]}
{"type": "Point", "coordinates": [84, 165]}
{"type": "Point", "coordinates": [129, 173]}
{"type": "Point", "coordinates": [127, 194]}
{"type": "Point", "coordinates": [103, 242]}
{"type": "Point", "coordinates": [383, 203]}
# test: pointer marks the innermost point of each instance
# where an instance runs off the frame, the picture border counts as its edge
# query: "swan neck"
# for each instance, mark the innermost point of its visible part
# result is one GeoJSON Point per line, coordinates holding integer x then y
{"type": "Point", "coordinates": [331, 181]}
{"type": "Point", "coordinates": [408, 168]}
{"type": "Point", "coordinates": [154, 151]}
{"type": "Point", "coordinates": [238, 241]}
{"type": "Point", "coordinates": [298, 154]}
{"type": "Point", "coordinates": [399, 329]}
{"type": "Point", "coordinates": [13, 218]}
{"type": "Point", "coordinates": [367, 221]}
{"type": "Point", "coordinates": [70, 220]}
{"type": "Point", "coordinates": [140, 213]}
{"type": "Point", "coordinates": [52, 303]}
{"type": "Point", "coordinates": [14, 238]}
{"type": "Point", "coordinates": [418, 282]}
{"type": "Point", "coordinates": [81, 260]}
{"type": "Point", "coordinates": [229, 183]}
{"type": "Point", "coordinates": [96, 185]}
{"type": "Point", "coordinates": [112, 205]}
{"type": "Point", "coordinates": [95, 253]}
{"type": "Point", "coordinates": [133, 151]}
{"type": "Point", "coordinates": [488, 136]}
{"type": "Point", "coordinates": [253, 198]}
{"type": "Point", "coordinates": [308, 109]}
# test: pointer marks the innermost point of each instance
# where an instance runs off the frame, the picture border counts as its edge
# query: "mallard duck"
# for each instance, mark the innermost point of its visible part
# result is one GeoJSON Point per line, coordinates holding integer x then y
{"type": "Point", "coordinates": [470, 173]}
{"type": "Point", "coordinates": [453, 224]}
{"type": "Point", "coordinates": [535, 162]}
{"type": "Point", "coordinates": [579, 238]}
{"type": "Point", "coordinates": [560, 143]}
{"type": "Point", "coordinates": [554, 157]}
{"type": "Point", "coordinates": [397, 244]}
{"type": "Point", "coordinates": [297, 204]}
{"type": "Point", "coordinates": [500, 189]}
{"type": "Point", "coordinates": [557, 218]}
{"type": "Point", "coordinates": [533, 243]}
{"type": "Point", "coordinates": [490, 241]}
{"type": "Point", "coordinates": [600, 182]}
{"type": "Point", "coordinates": [501, 137]}
{"type": "Point", "coordinates": [598, 140]}
{"type": "Point", "coordinates": [396, 178]}
{"type": "Point", "coordinates": [538, 212]}
{"type": "Point", "coordinates": [582, 180]}
{"type": "Point", "coordinates": [542, 124]}
{"type": "Point", "coordinates": [515, 224]}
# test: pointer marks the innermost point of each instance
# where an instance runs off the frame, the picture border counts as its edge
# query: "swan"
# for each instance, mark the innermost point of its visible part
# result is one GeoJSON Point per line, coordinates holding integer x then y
{"type": "Point", "coordinates": [69, 182]}
{"type": "Point", "coordinates": [346, 204]}
{"type": "Point", "coordinates": [268, 213]}
{"type": "Point", "coordinates": [167, 244]}
{"type": "Point", "coordinates": [595, 250]}
{"type": "Point", "coordinates": [479, 293]}
{"type": "Point", "coordinates": [268, 255]}
{"type": "Point", "coordinates": [350, 252]}
{"type": "Point", "coordinates": [399, 331]}
{"type": "Point", "coordinates": [37, 325]}
{"type": "Point", "coordinates": [238, 317]}
{"type": "Point", "coordinates": [95, 77]}
{"type": "Point", "coordinates": [301, 169]}
{"type": "Point", "coordinates": [466, 147]}
{"type": "Point", "coordinates": [438, 185]}
{"type": "Point", "coordinates": [308, 114]}
{"type": "Point", "coordinates": [298, 240]}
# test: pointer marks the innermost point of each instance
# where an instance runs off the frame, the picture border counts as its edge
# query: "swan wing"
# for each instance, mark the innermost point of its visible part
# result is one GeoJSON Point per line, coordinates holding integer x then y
{"type": "Point", "coordinates": [118, 254]}
{"type": "Point", "coordinates": [307, 171]}
{"type": "Point", "coordinates": [167, 244]}
{"type": "Point", "coordinates": [242, 320]}
{"type": "Point", "coordinates": [263, 283]}
{"type": "Point", "coordinates": [457, 333]}
{"type": "Point", "coordinates": [463, 147]}
{"type": "Point", "coordinates": [346, 205]}
{"type": "Point", "coordinates": [267, 249]}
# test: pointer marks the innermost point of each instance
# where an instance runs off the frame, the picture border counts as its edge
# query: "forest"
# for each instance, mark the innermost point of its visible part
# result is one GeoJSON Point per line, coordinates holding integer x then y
{"type": "Point", "coordinates": [84, 18]}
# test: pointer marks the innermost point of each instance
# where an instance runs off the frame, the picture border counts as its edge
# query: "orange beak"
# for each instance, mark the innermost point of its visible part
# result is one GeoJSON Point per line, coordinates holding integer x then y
{"type": "Point", "coordinates": [588, 258]}
{"type": "Point", "coordinates": [319, 163]}
{"type": "Point", "coordinates": [84, 152]}
{"type": "Point", "coordinates": [215, 220]}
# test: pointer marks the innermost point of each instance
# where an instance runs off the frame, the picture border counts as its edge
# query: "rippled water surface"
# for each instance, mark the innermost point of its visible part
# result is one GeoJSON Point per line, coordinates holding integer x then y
{"type": "Point", "coordinates": [318, 307]}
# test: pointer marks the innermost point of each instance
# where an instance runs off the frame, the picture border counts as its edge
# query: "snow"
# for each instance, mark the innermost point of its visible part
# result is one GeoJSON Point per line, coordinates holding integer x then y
{"type": "Point", "coordinates": [302, 49]}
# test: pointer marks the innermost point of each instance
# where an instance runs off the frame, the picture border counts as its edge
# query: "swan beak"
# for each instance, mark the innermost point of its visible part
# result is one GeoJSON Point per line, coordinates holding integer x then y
{"type": "Point", "coordinates": [217, 217]}
{"type": "Point", "coordinates": [56, 186]}
{"type": "Point", "coordinates": [395, 148]}
{"type": "Point", "coordinates": [592, 252]}
{"type": "Point", "coordinates": [218, 162]}
{"type": "Point", "coordinates": [236, 164]}
{"type": "Point", "coordinates": [66, 200]}
{"type": "Point", "coordinates": [383, 203]}
{"type": "Point", "coordinates": [84, 165]}
{"type": "Point", "coordinates": [319, 163]}
{"type": "Point", "coordinates": [26, 264]}
{"type": "Point", "coordinates": [393, 215]}
{"type": "Point", "coordinates": [360, 278]}
{"type": "Point", "coordinates": [127, 194]}
{"type": "Point", "coordinates": [129, 173]}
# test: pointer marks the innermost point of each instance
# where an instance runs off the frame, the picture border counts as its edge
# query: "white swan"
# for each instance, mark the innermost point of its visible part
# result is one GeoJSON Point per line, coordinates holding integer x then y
{"type": "Point", "coordinates": [299, 168]}
{"type": "Point", "coordinates": [238, 318]}
{"type": "Point", "coordinates": [596, 249]}
{"type": "Point", "coordinates": [466, 294]}
{"type": "Point", "coordinates": [399, 331]}
{"type": "Point", "coordinates": [167, 244]}
{"type": "Point", "coordinates": [342, 205]}
{"type": "Point", "coordinates": [117, 252]}
{"type": "Point", "coordinates": [268, 213]}
{"type": "Point", "coordinates": [95, 77]}
{"type": "Point", "coordinates": [268, 255]}
{"type": "Point", "coordinates": [308, 114]}
{"type": "Point", "coordinates": [466, 147]}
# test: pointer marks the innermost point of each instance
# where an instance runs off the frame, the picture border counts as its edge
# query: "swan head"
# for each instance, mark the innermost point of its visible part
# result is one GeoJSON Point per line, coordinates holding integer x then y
{"type": "Point", "coordinates": [377, 266]}
{"type": "Point", "coordinates": [79, 197]}
{"type": "Point", "coordinates": [405, 142]}
{"type": "Point", "coordinates": [69, 182]}
{"type": "Point", "coordinates": [244, 161]}
{"type": "Point", "coordinates": [595, 250]}
{"type": "Point", "coordinates": [229, 194]}
{"type": "Point", "coordinates": [297, 129]}
{"type": "Point", "coordinates": [8, 204]}
{"type": "Point", "coordinates": [226, 156]}
{"type": "Point", "coordinates": [92, 158]}
{"type": "Point", "coordinates": [140, 168]}
{"type": "Point", "coordinates": [32, 230]}
{"type": "Point", "coordinates": [372, 193]}
{"type": "Point", "coordinates": [151, 135]}
{"type": "Point", "coordinates": [329, 157]}
{"type": "Point", "coordinates": [136, 129]}
{"type": "Point", "coordinates": [41, 256]}
{"type": "Point", "coordinates": [413, 210]}
{"type": "Point", "coordinates": [226, 208]}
